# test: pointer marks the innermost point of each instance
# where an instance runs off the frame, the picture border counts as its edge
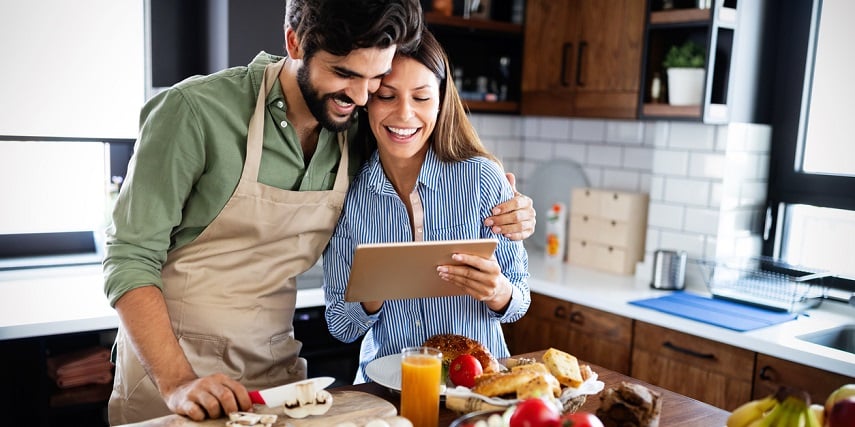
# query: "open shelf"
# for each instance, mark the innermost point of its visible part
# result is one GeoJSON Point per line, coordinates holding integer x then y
{"type": "Point", "coordinates": [434, 18]}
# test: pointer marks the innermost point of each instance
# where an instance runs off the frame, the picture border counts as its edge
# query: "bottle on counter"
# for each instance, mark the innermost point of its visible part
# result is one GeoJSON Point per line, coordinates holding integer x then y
{"type": "Point", "coordinates": [556, 232]}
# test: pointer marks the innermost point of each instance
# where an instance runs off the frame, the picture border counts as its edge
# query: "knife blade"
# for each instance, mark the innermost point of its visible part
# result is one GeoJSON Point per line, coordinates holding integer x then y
{"type": "Point", "coordinates": [277, 396]}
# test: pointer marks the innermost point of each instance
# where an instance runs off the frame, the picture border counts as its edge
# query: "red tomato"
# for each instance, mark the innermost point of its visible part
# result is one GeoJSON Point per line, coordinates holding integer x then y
{"type": "Point", "coordinates": [534, 412]}
{"type": "Point", "coordinates": [580, 419]}
{"type": "Point", "coordinates": [464, 369]}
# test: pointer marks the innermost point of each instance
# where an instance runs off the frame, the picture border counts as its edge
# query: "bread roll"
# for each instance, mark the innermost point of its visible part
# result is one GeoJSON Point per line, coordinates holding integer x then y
{"type": "Point", "coordinates": [453, 345]}
{"type": "Point", "coordinates": [629, 404]}
{"type": "Point", "coordinates": [564, 366]}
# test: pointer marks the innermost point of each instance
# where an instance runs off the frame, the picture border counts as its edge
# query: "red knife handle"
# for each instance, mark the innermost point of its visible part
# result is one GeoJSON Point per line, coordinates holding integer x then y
{"type": "Point", "coordinates": [255, 397]}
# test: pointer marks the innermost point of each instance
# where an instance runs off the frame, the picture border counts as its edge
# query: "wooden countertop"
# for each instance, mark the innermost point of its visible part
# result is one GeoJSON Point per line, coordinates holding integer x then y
{"type": "Point", "coordinates": [677, 410]}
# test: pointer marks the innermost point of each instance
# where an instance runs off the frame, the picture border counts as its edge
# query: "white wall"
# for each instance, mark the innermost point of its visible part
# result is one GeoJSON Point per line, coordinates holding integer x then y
{"type": "Point", "coordinates": [72, 68]}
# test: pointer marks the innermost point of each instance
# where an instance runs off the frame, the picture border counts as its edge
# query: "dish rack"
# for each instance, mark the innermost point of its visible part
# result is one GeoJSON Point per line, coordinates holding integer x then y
{"type": "Point", "coordinates": [764, 282]}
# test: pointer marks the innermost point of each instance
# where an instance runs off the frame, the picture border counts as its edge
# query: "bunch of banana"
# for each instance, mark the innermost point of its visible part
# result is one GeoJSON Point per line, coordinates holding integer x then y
{"type": "Point", "coordinates": [784, 409]}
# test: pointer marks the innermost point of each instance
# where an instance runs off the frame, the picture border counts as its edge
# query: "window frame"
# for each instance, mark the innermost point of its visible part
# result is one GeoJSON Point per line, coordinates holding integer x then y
{"type": "Point", "coordinates": [795, 41]}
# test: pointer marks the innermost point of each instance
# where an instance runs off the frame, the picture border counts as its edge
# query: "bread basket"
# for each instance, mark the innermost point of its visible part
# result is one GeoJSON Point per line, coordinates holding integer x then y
{"type": "Point", "coordinates": [463, 400]}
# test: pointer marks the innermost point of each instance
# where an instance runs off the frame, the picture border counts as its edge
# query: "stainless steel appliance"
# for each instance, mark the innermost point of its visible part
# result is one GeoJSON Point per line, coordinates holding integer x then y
{"type": "Point", "coordinates": [669, 270]}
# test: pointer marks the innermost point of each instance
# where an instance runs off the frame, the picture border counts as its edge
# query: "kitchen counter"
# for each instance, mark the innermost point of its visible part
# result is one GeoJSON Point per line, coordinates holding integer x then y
{"type": "Point", "coordinates": [62, 300]}
{"type": "Point", "coordinates": [51, 301]}
{"type": "Point", "coordinates": [611, 293]}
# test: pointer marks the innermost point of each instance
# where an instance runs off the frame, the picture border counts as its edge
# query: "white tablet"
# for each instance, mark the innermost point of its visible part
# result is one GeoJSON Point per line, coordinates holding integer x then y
{"type": "Point", "coordinates": [403, 270]}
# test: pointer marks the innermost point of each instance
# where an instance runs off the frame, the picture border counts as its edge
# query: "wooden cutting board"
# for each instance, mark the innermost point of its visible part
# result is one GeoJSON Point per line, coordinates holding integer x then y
{"type": "Point", "coordinates": [348, 406]}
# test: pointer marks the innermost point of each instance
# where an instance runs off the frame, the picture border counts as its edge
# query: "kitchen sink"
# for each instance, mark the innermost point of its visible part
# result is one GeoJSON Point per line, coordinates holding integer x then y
{"type": "Point", "coordinates": [840, 337]}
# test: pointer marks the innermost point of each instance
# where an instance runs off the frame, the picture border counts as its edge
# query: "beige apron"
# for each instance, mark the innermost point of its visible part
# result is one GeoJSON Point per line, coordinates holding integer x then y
{"type": "Point", "coordinates": [231, 293]}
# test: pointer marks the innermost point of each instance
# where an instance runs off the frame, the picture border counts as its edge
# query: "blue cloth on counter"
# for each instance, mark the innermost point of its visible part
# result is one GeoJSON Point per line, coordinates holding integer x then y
{"type": "Point", "coordinates": [719, 312]}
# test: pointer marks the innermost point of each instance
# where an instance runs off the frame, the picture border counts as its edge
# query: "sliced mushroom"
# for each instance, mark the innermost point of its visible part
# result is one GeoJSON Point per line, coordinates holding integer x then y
{"type": "Point", "coordinates": [308, 401]}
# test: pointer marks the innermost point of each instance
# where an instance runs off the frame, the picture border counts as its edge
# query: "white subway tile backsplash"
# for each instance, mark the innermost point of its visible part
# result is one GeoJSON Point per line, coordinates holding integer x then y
{"type": "Point", "coordinates": [530, 127]}
{"type": "Point", "coordinates": [759, 138]}
{"type": "Point", "coordinates": [694, 136]}
{"type": "Point", "coordinates": [722, 133]}
{"type": "Point", "coordinates": [589, 130]}
{"type": "Point", "coordinates": [640, 158]}
{"type": "Point", "coordinates": [657, 134]}
{"type": "Point", "coordinates": [702, 221]}
{"type": "Point", "coordinates": [666, 216]}
{"type": "Point", "coordinates": [657, 188]}
{"type": "Point", "coordinates": [595, 176]}
{"type": "Point", "coordinates": [716, 194]}
{"type": "Point", "coordinates": [753, 193]}
{"type": "Point", "coordinates": [604, 155]}
{"type": "Point", "coordinates": [625, 132]}
{"type": "Point", "coordinates": [692, 243]}
{"type": "Point", "coordinates": [538, 150]}
{"type": "Point", "coordinates": [687, 191]}
{"type": "Point", "coordinates": [670, 162]}
{"type": "Point", "coordinates": [644, 182]}
{"type": "Point", "coordinates": [706, 165]}
{"type": "Point", "coordinates": [554, 128]}
{"type": "Point", "coordinates": [620, 179]}
{"type": "Point", "coordinates": [572, 151]}
{"type": "Point", "coordinates": [493, 125]}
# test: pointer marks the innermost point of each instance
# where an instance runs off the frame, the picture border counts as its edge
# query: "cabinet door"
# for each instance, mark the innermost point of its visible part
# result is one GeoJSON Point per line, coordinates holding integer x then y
{"type": "Point", "coordinates": [608, 58]}
{"type": "Point", "coordinates": [543, 326]}
{"type": "Point", "coordinates": [772, 373]}
{"type": "Point", "coordinates": [549, 50]}
{"type": "Point", "coordinates": [600, 338]}
{"type": "Point", "coordinates": [705, 370]}
{"type": "Point", "coordinates": [582, 58]}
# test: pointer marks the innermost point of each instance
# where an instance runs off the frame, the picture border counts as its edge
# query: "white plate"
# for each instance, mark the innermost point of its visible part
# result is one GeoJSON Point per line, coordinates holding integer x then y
{"type": "Point", "coordinates": [552, 182]}
{"type": "Point", "coordinates": [386, 371]}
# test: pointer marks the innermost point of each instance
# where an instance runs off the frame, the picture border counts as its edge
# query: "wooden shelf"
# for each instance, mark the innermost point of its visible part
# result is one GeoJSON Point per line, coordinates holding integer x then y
{"type": "Point", "coordinates": [492, 106]}
{"type": "Point", "coordinates": [435, 18]}
{"type": "Point", "coordinates": [666, 110]}
{"type": "Point", "coordinates": [679, 16]}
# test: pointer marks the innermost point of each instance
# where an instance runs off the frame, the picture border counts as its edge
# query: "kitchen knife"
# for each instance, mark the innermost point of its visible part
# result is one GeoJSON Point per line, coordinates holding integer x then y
{"type": "Point", "coordinates": [277, 396]}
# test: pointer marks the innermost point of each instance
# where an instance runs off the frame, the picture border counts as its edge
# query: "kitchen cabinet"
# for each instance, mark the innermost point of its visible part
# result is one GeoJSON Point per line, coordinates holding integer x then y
{"type": "Point", "coordinates": [770, 373]}
{"type": "Point", "coordinates": [582, 58]}
{"type": "Point", "coordinates": [732, 33]}
{"type": "Point", "coordinates": [486, 59]}
{"type": "Point", "coordinates": [711, 372]}
{"type": "Point", "coordinates": [591, 335]}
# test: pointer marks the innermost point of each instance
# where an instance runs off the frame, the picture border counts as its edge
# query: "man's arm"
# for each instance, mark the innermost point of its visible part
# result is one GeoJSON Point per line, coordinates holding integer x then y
{"type": "Point", "coordinates": [515, 218]}
{"type": "Point", "coordinates": [146, 322]}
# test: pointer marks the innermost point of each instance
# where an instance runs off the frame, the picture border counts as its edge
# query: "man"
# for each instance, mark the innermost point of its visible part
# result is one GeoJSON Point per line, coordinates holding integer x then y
{"type": "Point", "coordinates": [235, 186]}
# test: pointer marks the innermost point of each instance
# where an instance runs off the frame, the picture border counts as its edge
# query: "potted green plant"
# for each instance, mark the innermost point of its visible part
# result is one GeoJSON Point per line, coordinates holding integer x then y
{"type": "Point", "coordinates": [685, 67]}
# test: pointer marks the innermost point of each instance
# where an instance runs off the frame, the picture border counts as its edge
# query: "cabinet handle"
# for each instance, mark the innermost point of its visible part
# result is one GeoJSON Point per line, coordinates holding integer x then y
{"type": "Point", "coordinates": [764, 373]}
{"type": "Point", "coordinates": [559, 312]}
{"type": "Point", "coordinates": [669, 345]}
{"type": "Point", "coordinates": [582, 45]}
{"type": "Point", "coordinates": [564, 51]}
{"type": "Point", "coordinates": [577, 318]}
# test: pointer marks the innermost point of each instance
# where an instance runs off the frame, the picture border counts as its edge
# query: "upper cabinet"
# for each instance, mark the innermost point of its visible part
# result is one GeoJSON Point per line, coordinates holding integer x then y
{"type": "Point", "coordinates": [485, 51]}
{"type": "Point", "coordinates": [582, 58]}
{"type": "Point", "coordinates": [731, 35]}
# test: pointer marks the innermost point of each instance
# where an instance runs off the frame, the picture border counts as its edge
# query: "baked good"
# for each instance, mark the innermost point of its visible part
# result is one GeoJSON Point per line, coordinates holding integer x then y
{"type": "Point", "coordinates": [537, 387]}
{"type": "Point", "coordinates": [629, 405]}
{"type": "Point", "coordinates": [544, 374]}
{"type": "Point", "coordinates": [502, 383]}
{"type": "Point", "coordinates": [564, 366]}
{"type": "Point", "coordinates": [453, 345]}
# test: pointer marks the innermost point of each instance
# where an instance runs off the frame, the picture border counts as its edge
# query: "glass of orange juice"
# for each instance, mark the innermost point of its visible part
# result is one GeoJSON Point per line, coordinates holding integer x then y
{"type": "Point", "coordinates": [421, 372]}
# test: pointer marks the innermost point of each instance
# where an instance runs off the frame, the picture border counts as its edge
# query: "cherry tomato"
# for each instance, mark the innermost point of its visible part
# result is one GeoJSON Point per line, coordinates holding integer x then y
{"type": "Point", "coordinates": [534, 412]}
{"type": "Point", "coordinates": [464, 369]}
{"type": "Point", "coordinates": [580, 419]}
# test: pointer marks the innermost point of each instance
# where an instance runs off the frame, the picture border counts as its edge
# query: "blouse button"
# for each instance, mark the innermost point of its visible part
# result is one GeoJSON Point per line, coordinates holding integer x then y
{"type": "Point", "coordinates": [283, 123]}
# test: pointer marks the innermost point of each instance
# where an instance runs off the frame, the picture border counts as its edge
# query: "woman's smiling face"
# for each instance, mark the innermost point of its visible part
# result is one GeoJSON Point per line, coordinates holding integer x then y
{"type": "Point", "coordinates": [402, 113]}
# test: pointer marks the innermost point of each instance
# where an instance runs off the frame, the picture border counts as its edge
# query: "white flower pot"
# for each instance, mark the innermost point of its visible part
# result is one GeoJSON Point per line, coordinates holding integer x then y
{"type": "Point", "coordinates": [685, 86]}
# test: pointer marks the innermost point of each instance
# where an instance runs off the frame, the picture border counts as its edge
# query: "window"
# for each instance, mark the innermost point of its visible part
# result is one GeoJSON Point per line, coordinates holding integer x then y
{"type": "Point", "coordinates": [812, 185]}
{"type": "Point", "coordinates": [57, 196]}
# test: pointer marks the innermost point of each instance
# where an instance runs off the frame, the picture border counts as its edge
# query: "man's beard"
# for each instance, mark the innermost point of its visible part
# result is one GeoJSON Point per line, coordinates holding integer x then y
{"type": "Point", "coordinates": [317, 103]}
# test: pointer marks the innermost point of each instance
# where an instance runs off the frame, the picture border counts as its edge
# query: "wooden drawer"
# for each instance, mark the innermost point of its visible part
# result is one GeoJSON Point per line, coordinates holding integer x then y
{"type": "Point", "coordinates": [585, 201]}
{"type": "Point", "coordinates": [606, 325]}
{"type": "Point", "coordinates": [599, 256]}
{"type": "Point", "coordinates": [617, 205]}
{"type": "Point", "coordinates": [772, 373]}
{"type": "Point", "coordinates": [715, 373]}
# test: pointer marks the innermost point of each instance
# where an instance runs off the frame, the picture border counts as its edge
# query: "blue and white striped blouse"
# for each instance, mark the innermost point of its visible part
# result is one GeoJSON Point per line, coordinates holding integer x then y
{"type": "Point", "coordinates": [456, 198]}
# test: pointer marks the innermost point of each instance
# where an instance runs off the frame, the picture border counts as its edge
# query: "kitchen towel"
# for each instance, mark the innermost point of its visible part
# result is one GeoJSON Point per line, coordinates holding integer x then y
{"type": "Point", "coordinates": [727, 314]}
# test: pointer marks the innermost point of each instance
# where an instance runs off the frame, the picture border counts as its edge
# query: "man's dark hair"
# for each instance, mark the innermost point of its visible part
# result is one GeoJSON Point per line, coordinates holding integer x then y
{"type": "Point", "coordinates": [340, 26]}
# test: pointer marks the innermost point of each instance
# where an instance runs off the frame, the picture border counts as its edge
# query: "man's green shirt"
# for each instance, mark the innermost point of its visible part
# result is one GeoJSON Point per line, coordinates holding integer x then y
{"type": "Point", "coordinates": [187, 163]}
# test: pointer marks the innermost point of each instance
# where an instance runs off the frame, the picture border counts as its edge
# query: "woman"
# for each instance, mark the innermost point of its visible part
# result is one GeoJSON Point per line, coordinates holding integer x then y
{"type": "Point", "coordinates": [428, 178]}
